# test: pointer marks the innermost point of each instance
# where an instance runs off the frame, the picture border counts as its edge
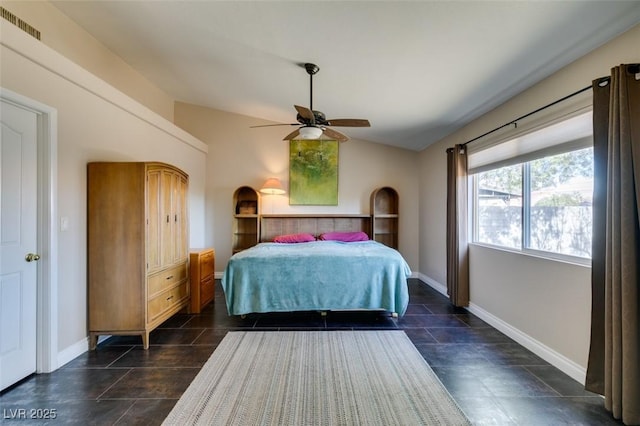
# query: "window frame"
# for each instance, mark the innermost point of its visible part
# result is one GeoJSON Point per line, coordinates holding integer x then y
{"type": "Point", "coordinates": [525, 228]}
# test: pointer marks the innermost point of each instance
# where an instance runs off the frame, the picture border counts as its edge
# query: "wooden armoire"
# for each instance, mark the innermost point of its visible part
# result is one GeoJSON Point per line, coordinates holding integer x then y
{"type": "Point", "coordinates": [138, 233]}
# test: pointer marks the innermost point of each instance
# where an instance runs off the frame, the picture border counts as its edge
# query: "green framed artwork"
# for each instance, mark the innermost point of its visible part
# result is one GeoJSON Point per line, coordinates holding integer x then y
{"type": "Point", "coordinates": [313, 172]}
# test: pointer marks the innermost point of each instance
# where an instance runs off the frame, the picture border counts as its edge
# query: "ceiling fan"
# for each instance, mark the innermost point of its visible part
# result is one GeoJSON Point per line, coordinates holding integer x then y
{"type": "Point", "coordinates": [314, 124]}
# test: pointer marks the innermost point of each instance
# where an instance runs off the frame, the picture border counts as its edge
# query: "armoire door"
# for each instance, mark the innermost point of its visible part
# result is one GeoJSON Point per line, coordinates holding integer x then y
{"type": "Point", "coordinates": [180, 208]}
{"type": "Point", "coordinates": [168, 220]}
{"type": "Point", "coordinates": [154, 220]}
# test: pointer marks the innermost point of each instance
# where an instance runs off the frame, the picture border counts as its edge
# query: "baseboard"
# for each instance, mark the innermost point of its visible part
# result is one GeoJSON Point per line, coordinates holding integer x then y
{"type": "Point", "coordinates": [433, 284]}
{"type": "Point", "coordinates": [71, 352]}
{"type": "Point", "coordinates": [564, 364]}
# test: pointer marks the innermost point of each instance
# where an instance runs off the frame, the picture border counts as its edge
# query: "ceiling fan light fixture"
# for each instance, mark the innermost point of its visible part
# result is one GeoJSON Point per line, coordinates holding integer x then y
{"type": "Point", "coordinates": [310, 132]}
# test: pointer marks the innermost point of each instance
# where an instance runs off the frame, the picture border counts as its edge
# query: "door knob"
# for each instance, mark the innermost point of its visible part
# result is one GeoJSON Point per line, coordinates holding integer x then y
{"type": "Point", "coordinates": [32, 257]}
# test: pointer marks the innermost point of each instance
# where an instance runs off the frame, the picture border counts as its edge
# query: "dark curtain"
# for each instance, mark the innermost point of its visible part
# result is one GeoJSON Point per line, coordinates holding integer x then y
{"type": "Point", "coordinates": [457, 212]}
{"type": "Point", "coordinates": [614, 356]}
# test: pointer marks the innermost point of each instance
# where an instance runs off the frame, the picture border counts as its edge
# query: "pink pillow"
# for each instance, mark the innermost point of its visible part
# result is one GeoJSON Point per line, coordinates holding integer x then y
{"type": "Point", "coordinates": [347, 237]}
{"type": "Point", "coordinates": [294, 238]}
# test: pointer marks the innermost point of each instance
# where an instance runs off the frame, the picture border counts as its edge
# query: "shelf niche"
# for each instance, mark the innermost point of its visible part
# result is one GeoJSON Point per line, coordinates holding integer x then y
{"type": "Point", "coordinates": [384, 216]}
{"type": "Point", "coordinates": [246, 222]}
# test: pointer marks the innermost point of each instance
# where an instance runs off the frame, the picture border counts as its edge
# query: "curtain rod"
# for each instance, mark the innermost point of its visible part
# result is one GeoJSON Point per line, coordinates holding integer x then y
{"type": "Point", "coordinates": [584, 89]}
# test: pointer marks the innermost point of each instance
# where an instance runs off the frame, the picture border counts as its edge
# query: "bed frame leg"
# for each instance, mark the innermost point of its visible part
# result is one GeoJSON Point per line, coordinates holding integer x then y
{"type": "Point", "coordinates": [394, 314]}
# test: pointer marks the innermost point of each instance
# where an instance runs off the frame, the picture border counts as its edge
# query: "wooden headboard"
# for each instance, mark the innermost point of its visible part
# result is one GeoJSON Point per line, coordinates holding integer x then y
{"type": "Point", "coordinates": [281, 224]}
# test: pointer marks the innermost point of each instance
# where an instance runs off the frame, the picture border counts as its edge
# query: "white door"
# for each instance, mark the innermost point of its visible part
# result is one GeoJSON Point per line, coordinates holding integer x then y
{"type": "Point", "coordinates": [18, 241]}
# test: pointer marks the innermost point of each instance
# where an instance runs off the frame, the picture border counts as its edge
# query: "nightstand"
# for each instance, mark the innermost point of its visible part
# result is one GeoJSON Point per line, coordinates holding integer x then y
{"type": "Point", "coordinates": [202, 280]}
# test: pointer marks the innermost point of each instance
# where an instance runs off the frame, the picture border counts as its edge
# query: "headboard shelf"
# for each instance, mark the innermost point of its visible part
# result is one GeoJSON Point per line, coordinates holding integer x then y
{"type": "Point", "coordinates": [273, 225]}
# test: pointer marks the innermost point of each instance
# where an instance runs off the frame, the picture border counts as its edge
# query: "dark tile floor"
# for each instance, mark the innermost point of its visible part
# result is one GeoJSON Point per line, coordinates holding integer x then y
{"type": "Point", "coordinates": [494, 380]}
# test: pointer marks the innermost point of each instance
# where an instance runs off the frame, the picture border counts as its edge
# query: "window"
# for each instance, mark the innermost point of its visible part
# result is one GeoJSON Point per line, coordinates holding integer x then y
{"type": "Point", "coordinates": [543, 204]}
{"type": "Point", "coordinates": [499, 206]}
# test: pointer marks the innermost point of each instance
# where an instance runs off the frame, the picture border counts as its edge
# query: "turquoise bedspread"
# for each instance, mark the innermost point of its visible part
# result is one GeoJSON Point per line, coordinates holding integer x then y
{"type": "Point", "coordinates": [320, 275]}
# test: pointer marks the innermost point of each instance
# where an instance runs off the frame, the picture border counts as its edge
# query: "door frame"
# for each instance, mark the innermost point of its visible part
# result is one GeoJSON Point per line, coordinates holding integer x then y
{"type": "Point", "coordinates": [47, 245]}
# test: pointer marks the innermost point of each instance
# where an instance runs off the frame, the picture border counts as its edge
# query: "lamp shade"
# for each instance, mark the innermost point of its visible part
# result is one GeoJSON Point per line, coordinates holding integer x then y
{"type": "Point", "coordinates": [310, 132]}
{"type": "Point", "coordinates": [272, 186]}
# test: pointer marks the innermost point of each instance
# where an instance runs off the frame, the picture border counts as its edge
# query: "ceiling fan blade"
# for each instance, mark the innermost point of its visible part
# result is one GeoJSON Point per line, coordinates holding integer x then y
{"type": "Point", "coordinates": [291, 135]}
{"type": "Point", "coordinates": [306, 113]}
{"type": "Point", "coordinates": [334, 134]}
{"type": "Point", "coordinates": [272, 125]}
{"type": "Point", "coordinates": [349, 122]}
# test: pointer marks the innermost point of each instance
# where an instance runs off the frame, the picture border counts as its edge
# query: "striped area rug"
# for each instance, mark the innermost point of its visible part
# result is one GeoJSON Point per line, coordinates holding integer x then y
{"type": "Point", "coordinates": [316, 378]}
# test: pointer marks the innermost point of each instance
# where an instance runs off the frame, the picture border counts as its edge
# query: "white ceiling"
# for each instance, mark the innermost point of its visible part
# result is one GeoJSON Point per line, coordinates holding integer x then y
{"type": "Point", "coordinates": [417, 70]}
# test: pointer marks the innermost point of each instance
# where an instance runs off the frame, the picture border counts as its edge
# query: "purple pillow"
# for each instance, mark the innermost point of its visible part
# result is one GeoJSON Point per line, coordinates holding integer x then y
{"type": "Point", "coordinates": [347, 237]}
{"type": "Point", "coordinates": [294, 238]}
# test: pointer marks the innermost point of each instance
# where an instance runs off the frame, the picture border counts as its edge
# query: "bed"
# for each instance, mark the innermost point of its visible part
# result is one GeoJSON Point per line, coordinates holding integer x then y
{"type": "Point", "coordinates": [315, 275]}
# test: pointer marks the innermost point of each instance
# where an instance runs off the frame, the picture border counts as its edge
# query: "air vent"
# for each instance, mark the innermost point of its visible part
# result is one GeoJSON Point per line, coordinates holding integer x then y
{"type": "Point", "coordinates": [19, 23]}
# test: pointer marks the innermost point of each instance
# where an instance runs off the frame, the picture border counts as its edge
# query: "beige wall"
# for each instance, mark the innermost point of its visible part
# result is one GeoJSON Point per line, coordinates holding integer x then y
{"type": "Point", "coordinates": [239, 155]}
{"type": "Point", "coordinates": [96, 122]}
{"type": "Point", "coordinates": [65, 36]}
{"type": "Point", "coordinates": [548, 301]}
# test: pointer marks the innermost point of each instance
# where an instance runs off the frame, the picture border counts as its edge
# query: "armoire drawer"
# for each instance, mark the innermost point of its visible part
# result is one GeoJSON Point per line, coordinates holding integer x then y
{"type": "Point", "coordinates": [166, 300]}
{"type": "Point", "coordinates": [167, 278]}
